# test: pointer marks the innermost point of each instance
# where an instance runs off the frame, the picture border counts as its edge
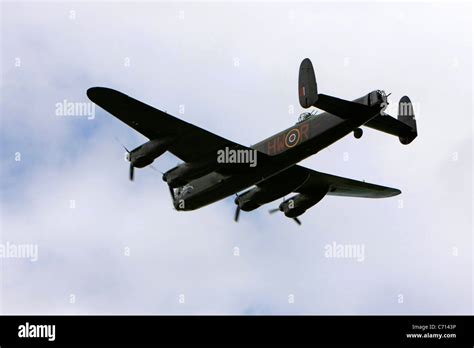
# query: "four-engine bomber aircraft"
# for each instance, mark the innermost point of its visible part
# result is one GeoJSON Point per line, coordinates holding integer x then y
{"type": "Point", "coordinates": [205, 178]}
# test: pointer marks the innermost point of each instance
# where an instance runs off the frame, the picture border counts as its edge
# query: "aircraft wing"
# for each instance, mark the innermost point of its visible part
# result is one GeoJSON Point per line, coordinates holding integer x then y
{"type": "Point", "coordinates": [339, 186]}
{"type": "Point", "coordinates": [194, 143]}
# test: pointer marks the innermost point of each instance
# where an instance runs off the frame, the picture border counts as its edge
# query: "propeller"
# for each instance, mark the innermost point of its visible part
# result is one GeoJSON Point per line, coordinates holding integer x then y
{"type": "Point", "coordinates": [131, 168]}
{"type": "Point", "coordinates": [131, 172]}
{"type": "Point", "coordinates": [237, 214]}
{"type": "Point", "coordinates": [121, 144]}
{"type": "Point", "coordinates": [274, 210]}
{"type": "Point", "coordinates": [237, 209]}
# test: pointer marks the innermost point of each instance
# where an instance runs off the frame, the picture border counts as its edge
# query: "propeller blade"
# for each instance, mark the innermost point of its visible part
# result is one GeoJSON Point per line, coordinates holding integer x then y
{"type": "Point", "coordinates": [131, 171]}
{"type": "Point", "coordinates": [118, 141]}
{"type": "Point", "coordinates": [297, 221]}
{"type": "Point", "coordinates": [274, 210]}
{"type": "Point", "coordinates": [237, 214]}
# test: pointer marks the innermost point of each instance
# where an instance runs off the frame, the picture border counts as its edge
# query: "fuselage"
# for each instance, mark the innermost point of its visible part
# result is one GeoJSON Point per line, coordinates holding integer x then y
{"type": "Point", "coordinates": [285, 148]}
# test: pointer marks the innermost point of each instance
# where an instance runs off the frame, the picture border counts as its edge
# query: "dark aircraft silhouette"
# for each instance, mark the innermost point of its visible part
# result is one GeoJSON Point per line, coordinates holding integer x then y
{"type": "Point", "coordinates": [215, 168]}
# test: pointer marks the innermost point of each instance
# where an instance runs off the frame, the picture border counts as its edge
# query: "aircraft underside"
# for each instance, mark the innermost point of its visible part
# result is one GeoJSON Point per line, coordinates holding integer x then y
{"type": "Point", "coordinates": [209, 171]}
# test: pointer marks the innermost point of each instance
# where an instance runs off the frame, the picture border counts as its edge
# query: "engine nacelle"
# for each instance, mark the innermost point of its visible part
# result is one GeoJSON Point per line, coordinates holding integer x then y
{"type": "Point", "coordinates": [185, 172]}
{"type": "Point", "coordinates": [271, 189]}
{"type": "Point", "coordinates": [145, 154]}
{"type": "Point", "coordinates": [254, 198]}
{"type": "Point", "coordinates": [297, 205]}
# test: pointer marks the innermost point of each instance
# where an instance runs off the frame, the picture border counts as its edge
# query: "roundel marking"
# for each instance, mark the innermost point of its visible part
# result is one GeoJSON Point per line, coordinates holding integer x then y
{"type": "Point", "coordinates": [292, 137]}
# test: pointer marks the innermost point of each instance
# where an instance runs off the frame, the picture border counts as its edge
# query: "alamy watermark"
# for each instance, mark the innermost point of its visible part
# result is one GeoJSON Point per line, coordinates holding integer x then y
{"type": "Point", "coordinates": [345, 251]}
{"type": "Point", "coordinates": [19, 251]}
{"type": "Point", "coordinates": [28, 330]}
{"type": "Point", "coordinates": [227, 155]}
{"type": "Point", "coordinates": [79, 109]}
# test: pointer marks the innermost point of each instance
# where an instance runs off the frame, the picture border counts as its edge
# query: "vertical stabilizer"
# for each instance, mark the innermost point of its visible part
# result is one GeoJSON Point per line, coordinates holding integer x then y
{"type": "Point", "coordinates": [307, 87]}
{"type": "Point", "coordinates": [406, 115]}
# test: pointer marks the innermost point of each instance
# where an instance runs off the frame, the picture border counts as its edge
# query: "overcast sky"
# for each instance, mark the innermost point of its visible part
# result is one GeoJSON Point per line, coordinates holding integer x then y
{"type": "Point", "coordinates": [106, 245]}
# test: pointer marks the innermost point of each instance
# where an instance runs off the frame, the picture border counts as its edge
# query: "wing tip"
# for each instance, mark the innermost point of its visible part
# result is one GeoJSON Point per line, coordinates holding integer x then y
{"type": "Point", "coordinates": [393, 192]}
{"type": "Point", "coordinates": [94, 93]}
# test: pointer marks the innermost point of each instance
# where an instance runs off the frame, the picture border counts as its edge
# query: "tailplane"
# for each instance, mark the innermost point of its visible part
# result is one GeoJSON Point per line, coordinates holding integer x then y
{"type": "Point", "coordinates": [403, 127]}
